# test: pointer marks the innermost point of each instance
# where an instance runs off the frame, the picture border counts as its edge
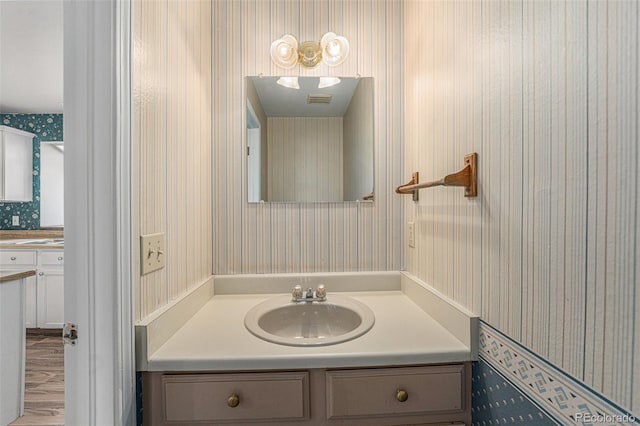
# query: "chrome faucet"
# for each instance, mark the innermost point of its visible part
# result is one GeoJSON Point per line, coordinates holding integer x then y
{"type": "Point", "coordinates": [298, 295]}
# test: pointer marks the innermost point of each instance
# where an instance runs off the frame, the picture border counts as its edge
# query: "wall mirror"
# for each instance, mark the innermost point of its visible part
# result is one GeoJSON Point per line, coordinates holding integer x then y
{"type": "Point", "coordinates": [309, 139]}
{"type": "Point", "coordinates": [51, 184]}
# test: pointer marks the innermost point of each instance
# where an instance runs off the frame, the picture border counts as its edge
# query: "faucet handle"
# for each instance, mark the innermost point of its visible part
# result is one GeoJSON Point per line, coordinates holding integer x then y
{"type": "Point", "coordinates": [321, 292]}
{"type": "Point", "coordinates": [297, 292]}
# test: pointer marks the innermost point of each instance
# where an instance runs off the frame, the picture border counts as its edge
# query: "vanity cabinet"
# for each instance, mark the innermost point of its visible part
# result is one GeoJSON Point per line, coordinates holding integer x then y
{"type": "Point", "coordinates": [416, 395]}
{"type": "Point", "coordinates": [235, 397]}
{"type": "Point", "coordinates": [44, 292]}
{"type": "Point", "coordinates": [387, 391]}
{"type": "Point", "coordinates": [16, 164]}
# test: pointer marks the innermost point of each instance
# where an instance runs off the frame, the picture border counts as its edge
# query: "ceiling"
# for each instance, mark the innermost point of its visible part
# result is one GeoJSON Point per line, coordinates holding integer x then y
{"type": "Point", "coordinates": [31, 71]}
{"type": "Point", "coordinates": [279, 101]}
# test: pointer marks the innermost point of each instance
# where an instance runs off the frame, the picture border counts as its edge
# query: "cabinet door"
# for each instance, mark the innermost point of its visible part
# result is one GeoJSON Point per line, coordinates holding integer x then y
{"type": "Point", "coordinates": [50, 299]}
{"type": "Point", "coordinates": [393, 391]}
{"type": "Point", "coordinates": [48, 258]}
{"type": "Point", "coordinates": [31, 302]}
{"type": "Point", "coordinates": [242, 398]}
{"type": "Point", "coordinates": [17, 259]}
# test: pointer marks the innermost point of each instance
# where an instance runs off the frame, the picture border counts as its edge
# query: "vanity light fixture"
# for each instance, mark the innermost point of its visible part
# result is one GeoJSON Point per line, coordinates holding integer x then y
{"type": "Point", "coordinates": [332, 49]}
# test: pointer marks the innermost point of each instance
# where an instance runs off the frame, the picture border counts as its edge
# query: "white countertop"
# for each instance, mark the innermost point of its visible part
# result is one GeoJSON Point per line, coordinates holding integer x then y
{"type": "Point", "coordinates": [215, 338]}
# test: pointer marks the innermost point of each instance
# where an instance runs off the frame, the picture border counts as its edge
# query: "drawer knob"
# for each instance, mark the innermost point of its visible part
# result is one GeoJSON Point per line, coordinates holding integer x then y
{"type": "Point", "coordinates": [60, 258]}
{"type": "Point", "coordinates": [13, 258]}
{"type": "Point", "coordinates": [233, 401]}
{"type": "Point", "coordinates": [402, 395]}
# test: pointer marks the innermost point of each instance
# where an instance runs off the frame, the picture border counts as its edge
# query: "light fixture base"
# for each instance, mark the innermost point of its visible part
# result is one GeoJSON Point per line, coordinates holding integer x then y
{"type": "Point", "coordinates": [309, 54]}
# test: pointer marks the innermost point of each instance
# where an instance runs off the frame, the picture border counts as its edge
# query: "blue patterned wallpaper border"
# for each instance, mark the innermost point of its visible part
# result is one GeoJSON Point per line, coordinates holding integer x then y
{"type": "Point", "coordinates": [561, 396]}
{"type": "Point", "coordinates": [46, 127]}
{"type": "Point", "coordinates": [495, 400]}
{"type": "Point", "coordinates": [139, 407]}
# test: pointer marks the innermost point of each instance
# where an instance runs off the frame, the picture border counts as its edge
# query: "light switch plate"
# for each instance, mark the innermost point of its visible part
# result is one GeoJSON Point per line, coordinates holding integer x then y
{"type": "Point", "coordinates": [411, 234]}
{"type": "Point", "coordinates": [152, 253]}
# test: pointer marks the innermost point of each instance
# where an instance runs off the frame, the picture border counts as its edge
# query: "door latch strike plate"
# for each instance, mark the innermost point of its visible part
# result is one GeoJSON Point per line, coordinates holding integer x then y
{"type": "Point", "coordinates": [70, 334]}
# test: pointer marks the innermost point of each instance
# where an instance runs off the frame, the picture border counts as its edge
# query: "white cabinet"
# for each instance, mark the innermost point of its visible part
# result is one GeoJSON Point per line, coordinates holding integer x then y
{"type": "Point", "coordinates": [44, 293]}
{"type": "Point", "coordinates": [31, 308]}
{"type": "Point", "coordinates": [21, 260]}
{"type": "Point", "coordinates": [50, 289]}
{"type": "Point", "coordinates": [18, 259]}
{"type": "Point", "coordinates": [50, 293]}
{"type": "Point", "coordinates": [16, 164]}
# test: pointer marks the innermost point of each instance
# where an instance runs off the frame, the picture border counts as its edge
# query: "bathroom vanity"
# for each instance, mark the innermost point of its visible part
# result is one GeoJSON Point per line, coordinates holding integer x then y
{"type": "Point", "coordinates": [431, 394]}
{"type": "Point", "coordinates": [201, 364]}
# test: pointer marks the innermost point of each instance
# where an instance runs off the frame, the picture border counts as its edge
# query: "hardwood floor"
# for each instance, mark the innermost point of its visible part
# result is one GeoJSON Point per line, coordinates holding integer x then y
{"type": "Point", "coordinates": [44, 387]}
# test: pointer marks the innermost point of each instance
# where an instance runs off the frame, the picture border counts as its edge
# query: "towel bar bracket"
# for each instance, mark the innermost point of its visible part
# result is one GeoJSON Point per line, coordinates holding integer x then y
{"type": "Point", "coordinates": [466, 177]}
{"type": "Point", "coordinates": [471, 160]}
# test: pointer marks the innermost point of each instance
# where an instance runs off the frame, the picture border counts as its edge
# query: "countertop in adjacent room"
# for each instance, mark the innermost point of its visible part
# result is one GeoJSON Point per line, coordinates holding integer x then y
{"type": "Point", "coordinates": [6, 276]}
{"type": "Point", "coordinates": [32, 243]}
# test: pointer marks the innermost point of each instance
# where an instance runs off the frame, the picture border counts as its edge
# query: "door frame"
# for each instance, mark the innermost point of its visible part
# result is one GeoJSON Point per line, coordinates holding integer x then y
{"type": "Point", "coordinates": [252, 117]}
{"type": "Point", "coordinates": [100, 368]}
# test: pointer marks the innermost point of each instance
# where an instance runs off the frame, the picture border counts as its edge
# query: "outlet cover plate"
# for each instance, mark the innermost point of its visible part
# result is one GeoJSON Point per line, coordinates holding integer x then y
{"type": "Point", "coordinates": [411, 234]}
{"type": "Point", "coordinates": [15, 220]}
{"type": "Point", "coordinates": [152, 253]}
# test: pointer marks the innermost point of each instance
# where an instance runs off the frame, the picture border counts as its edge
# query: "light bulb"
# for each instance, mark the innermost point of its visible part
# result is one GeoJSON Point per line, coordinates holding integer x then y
{"type": "Point", "coordinates": [328, 82]}
{"type": "Point", "coordinates": [284, 50]}
{"type": "Point", "coordinates": [333, 48]}
{"type": "Point", "coordinates": [290, 82]}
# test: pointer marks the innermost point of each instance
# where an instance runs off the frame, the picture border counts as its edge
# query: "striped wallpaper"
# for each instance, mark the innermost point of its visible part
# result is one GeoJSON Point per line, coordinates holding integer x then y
{"type": "Point", "coordinates": [292, 237]}
{"type": "Point", "coordinates": [172, 144]}
{"type": "Point", "coordinates": [358, 150]}
{"type": "Point", "coordinates": [305, 158]}
{"type": "Point", "coordinates": [547, 93]}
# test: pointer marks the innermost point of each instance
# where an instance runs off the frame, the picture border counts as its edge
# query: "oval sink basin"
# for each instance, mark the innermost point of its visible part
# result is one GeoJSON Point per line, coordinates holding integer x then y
{"type": "Point", "coordinates": [278, 320]}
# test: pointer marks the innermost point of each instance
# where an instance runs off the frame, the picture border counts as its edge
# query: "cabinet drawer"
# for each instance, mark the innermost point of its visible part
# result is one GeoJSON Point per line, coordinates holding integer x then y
{"type": "Point", "coordinates": [379, 392]}
{"type": "Point", "coordinates": [260, 396]}
{"type": "Point", "coordinates": [18, 257]}
{"type": "Point", "coordinates": [51, 257]}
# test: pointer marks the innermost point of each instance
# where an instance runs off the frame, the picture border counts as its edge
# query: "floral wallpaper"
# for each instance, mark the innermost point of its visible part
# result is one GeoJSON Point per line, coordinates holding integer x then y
{"type": "Point", "coordinates": [46, 127]}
